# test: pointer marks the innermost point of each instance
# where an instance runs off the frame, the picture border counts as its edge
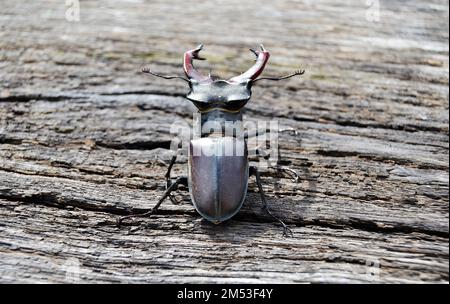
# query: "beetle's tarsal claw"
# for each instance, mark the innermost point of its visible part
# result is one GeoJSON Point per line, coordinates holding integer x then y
{"type": "Point", "coordinates": [132, 230]}
{"type": "Point", "coordinates": [120, 220]}
{"type": "Point", "coordinates": [173, 199]}
{"type": "Point", "coordinates": [287, 232]}
{"type": "Point", "coordinates": [293, 173]}
{"type": "Point", "coordinates": [296, 176]}
{"type": "Point", "coordinates": [291, 130]}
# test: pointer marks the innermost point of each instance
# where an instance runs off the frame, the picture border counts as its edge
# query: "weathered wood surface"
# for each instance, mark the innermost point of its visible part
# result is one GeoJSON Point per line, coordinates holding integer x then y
{"type": "Point", "coordinates": [81, 130]}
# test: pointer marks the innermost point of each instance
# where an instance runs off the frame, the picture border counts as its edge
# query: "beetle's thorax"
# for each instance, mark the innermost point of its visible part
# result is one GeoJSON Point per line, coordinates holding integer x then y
{"type": "Point", "coordinates": [219, 94]}
{"type": "Point", "coordinates": [218, 123]}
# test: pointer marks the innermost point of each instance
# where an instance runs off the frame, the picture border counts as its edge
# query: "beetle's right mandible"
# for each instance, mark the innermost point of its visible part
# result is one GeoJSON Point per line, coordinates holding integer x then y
{"type": "Point", "coordinates": [188, 65]}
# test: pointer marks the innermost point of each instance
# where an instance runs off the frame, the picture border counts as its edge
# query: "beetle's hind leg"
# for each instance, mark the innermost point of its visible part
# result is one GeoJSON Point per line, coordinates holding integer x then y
{"type": "Point", "coordinates": [286, 230]}
{"type": "Point", "coordinates": [168, 177]}
{"type": "Point", "coordinates": [174, 186]}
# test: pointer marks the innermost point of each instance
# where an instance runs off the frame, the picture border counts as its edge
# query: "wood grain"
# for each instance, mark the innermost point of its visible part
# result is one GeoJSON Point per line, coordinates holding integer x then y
{"type": "Point", "coordinates": [84, 138]}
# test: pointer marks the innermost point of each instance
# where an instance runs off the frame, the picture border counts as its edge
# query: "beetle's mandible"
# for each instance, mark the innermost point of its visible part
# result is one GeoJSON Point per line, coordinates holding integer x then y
{"type": "Point", "coordinates": [217, 181]}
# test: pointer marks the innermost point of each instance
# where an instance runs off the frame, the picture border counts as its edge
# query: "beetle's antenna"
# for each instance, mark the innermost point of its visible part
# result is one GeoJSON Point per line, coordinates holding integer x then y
{"type": "Point", "coordinates": [298, 72]}
{"type": "Point", "coordinates": [147, 70]}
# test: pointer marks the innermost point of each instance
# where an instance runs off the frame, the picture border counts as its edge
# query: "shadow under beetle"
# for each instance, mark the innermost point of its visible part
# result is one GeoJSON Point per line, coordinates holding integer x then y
{"type": "Point", "coordinates": [218, 181]}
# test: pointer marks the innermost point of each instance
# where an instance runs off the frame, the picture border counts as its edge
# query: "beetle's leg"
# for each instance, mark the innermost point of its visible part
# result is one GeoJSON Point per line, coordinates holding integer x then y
{"type": "Point", "coordinates": [168, 178]}
{"type": "Point", "coordinates": [259, 132]}
{"type": "Point", "coordinates": [293, 173]}
{"type": "Point", "coordinates": [173, 186]}
{"type": "Point", "coordinates": [286, 230]}
{"type": "Point", "coordinates": [290, 171]}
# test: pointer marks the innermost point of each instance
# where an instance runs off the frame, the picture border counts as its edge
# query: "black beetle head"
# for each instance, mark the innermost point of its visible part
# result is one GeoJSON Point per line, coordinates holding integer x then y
{"type": "Point", "coordinates": [220, 94]}
{"type": "Point", "coordinates": [229, 95]}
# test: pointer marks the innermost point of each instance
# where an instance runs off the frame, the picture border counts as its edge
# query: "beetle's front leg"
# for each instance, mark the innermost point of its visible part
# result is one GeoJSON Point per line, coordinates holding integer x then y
{"type": "Point", "coordinates": [174, 186]}
{"type": "Point", "coordinates": [254, 171]}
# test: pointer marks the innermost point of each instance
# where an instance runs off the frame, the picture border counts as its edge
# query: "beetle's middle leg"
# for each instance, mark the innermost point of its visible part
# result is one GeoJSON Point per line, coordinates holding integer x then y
{"type": "Point", "coordinates": [262, 153]}
{"type": "Point", "coordinates": [254, 171]}
{"type": "Point", "coordinates": [255, 133]}
{"type": "Point", "coordinates": [174, 186]}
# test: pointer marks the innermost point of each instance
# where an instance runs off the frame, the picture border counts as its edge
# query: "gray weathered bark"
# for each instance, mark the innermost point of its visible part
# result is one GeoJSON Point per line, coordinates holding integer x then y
{"type": "Point", "coordinates": [83, 133]}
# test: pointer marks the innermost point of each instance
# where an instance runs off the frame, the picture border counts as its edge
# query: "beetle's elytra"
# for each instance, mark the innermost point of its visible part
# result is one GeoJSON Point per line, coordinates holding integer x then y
{"type": "Point", "coordinates": [218, 181]}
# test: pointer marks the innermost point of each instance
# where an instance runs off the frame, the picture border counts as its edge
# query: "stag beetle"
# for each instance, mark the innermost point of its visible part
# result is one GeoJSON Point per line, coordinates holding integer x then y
{"type": "Point", "coordinates": [218, 183]}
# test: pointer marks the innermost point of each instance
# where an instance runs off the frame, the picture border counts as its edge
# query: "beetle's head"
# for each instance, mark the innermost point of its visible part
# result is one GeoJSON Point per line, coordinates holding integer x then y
{"type": "Point", "coordinates": [227, 95]}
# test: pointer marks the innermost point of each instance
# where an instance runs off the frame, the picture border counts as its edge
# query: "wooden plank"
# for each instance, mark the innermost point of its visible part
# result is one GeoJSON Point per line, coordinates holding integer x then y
{"type": "Point", "coordinates": [84, 138]}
